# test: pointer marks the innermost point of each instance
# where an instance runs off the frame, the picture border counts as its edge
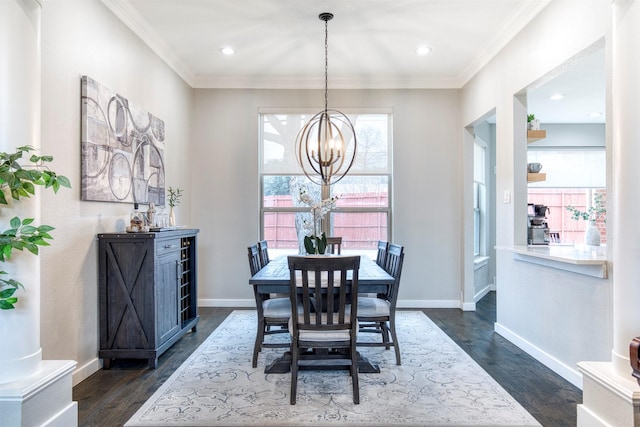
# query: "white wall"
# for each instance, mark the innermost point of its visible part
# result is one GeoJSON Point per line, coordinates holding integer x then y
{"type": "Point", "coordinates": [426, 187]}
{"type": "Point", "coordinates": [83, 37]}
{"type": "Point", "coordinates": [572, 135]}
{"type": "Point", "coordinates": [562, 314]}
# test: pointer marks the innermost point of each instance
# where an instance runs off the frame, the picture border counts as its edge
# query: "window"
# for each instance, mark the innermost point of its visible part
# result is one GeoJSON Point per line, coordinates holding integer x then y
{"type": "Point", "coordinates": [574, 177]}
{"type": "Point", "coordinates": [479, 197]}
{"type": "Point", "coordinates": [363, 209]}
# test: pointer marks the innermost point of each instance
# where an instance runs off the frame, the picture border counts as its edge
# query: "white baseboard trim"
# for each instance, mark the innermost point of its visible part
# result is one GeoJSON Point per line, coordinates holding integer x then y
{"type": "Point", "coordinates": [468, 306]}
{"type": "Point", "coordinates": [83, 372]}
{"type": "Point", "coordinates": [428, 304]}
{"type": "Point", "coordinates": [234, 303]}
{"type": "Point", "coordinates": [477, 297]}
{"type": "Point", "coordinates": [565, 371]}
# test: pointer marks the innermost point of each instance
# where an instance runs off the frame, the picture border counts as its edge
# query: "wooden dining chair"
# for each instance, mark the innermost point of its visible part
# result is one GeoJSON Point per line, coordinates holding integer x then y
{"type": "Point", "coordinates": [381, 257]}
{"type": "Point", "coordinates": [335, 243]}
{"type": "Point", "coordinates": [272, 313]}
{"type": "Point", "coordinates": [264, 252]}
{"type": "Point", "coordinates": [378, 314]}
{"type": "Point", "coordinates": [327, 318]}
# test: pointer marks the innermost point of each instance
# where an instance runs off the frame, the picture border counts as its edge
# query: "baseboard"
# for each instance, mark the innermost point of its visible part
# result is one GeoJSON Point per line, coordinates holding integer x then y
{"type": "Point", "coordinates": [586, 417]}
{"type": "Point", "coordinates": [428, 304]}
{"type": "Point", "coordinates": [233, 303]}
{"type": "Point", "coordinates": [83, 372]}
{"type": "Point", "coordinates": [477, 297]}
{"type": "Point", "coordinates": [468, 306]}
{"type": "Point", "coordinates": [565, 371]}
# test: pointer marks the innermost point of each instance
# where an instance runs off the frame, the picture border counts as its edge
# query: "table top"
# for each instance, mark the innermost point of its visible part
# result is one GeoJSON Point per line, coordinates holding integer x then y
{"type": "Point", "coordinates": [276, 272]}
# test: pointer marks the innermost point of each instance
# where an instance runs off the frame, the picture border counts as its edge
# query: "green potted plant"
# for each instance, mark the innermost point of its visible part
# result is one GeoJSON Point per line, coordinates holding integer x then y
{"type": "Point", "coordinates": [174, 200]}
{"type": "Point", "coordinates": [594, 213]}
{"type": "Point", "coordinates": [19, 181]}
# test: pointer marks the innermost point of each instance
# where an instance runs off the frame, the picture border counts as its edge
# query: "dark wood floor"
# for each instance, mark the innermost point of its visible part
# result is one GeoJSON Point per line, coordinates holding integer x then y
{"type": "Point", "coordinates": [547, 396]}
{"type": "Point", "coordinates": [110, 398]}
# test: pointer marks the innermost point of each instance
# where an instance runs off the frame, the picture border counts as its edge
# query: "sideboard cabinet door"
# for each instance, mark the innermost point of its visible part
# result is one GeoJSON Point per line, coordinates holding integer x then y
{"type": "Point", "coordinates": [143, 279]}
{"type": "Point", "coordinates": [166, 293]}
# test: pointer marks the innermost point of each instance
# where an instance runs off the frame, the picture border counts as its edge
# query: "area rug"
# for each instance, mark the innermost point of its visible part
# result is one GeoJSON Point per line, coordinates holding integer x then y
{"type": "Point", "coordinates": [438, 384]}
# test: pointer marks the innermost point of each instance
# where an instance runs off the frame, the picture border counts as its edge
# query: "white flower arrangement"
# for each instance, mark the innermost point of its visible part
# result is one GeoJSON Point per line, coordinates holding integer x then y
{"type": "Point", "coordinates": [318, 209]}
{"type": "Point", "coordinates": [312, 242]}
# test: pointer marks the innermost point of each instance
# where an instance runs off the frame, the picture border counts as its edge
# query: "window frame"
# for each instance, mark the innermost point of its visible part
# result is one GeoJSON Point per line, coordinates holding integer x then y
{"type": "Point", "coordinates": [480, 203]}
{"type": "Point", "coordinates": [326, 190]}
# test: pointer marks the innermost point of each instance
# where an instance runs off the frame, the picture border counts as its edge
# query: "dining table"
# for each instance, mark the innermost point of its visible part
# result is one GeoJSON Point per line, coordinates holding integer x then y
{"type": "Point", "coordinates": [274, 278]}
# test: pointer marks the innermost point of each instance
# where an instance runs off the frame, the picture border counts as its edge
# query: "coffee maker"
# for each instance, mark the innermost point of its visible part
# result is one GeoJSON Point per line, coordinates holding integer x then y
{"type": "Point", "coordinates": [538, 229]}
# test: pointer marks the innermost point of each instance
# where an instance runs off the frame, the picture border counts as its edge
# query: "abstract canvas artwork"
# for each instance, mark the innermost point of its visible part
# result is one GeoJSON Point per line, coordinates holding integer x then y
{"type": "Point", "coordinates": [122, 149]}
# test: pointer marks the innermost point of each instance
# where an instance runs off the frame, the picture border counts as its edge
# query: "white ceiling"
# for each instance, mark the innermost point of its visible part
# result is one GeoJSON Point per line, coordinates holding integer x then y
{"type": "Point", "coordinates": [280, 43]}
{"type": "Point", "coordinates": [582, 81]}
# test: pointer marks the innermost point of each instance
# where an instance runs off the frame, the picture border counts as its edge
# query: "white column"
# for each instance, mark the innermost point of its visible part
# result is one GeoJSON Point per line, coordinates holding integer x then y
{"type": "Point", "coordinates": [626, 161]}
{"type": "Point", "coordinates": [32, 391]}
{"type": "Point", "coordinates": [611, 396]}
{"type": "Point", "coordinates": [20, 99]}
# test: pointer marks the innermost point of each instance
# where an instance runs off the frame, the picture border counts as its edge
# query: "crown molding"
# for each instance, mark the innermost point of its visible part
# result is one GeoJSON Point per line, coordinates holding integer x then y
{"type": "Point", "coordinates": [131, 18]}
{"type": "Point", "coordinates": [527, 11]}
{"type": "Point", "coordinates": [292, 82]}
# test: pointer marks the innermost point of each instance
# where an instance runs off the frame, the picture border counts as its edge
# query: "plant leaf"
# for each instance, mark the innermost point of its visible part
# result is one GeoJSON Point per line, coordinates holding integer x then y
{"type": "Point", "coordinates": [308, 245]}
{"type": "Point", "coordinates": [7, 304]}
{"type": "Point", "coordinates": [44, 228]}
{"type": "Point", "coordinates": [6, 293]}
{"type": "Point", "coordinates": [64, 181]}
{"type": "Point", "coordinates": [15, 222]}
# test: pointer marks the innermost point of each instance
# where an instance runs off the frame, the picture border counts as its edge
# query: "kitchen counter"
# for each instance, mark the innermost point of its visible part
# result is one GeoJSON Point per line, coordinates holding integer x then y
{"type": "Point", "coordinates": [582, 259]}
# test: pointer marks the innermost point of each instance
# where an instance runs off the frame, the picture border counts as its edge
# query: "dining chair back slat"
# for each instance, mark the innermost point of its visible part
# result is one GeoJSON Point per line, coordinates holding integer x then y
{"type": "Point", "coordinates": [254, 259]}
{"type": "Point", "coordinates": [393, 266]}
{"type": "Point", "coordinates": [381, 258]}
{"type": "Point", "coordinates": [264, 252]}
{"type": "Point", "coordinates": [335, 245]}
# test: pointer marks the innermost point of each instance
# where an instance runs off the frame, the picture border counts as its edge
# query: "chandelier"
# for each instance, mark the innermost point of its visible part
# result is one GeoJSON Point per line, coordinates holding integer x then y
{"type": "Point", "coordinates": [321, 144]}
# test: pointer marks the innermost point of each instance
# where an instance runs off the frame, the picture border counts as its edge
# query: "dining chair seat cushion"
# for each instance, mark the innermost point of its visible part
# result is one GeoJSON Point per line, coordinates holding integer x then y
{"type": "Point", "coordinates": [277, 307]}
{"type": "Point", "coordinates": [339, 335]}
{"type": "Point", "coordinates": [373, 307]}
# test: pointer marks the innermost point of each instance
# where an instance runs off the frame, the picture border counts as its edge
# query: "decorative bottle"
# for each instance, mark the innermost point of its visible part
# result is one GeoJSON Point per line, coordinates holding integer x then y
{"type": "Point", "coordinates": [137, 219]}
{"type": "Point", "coordinates": [151, 215]}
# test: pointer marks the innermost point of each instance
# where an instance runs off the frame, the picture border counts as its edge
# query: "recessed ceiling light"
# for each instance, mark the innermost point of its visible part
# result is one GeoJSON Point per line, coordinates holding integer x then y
{"type": "Point", "coordinates": [556, 96]}
{"type": "Point", "coordinates": [227, 50]}
{"type": "Point", "coordinates": [423, 50]}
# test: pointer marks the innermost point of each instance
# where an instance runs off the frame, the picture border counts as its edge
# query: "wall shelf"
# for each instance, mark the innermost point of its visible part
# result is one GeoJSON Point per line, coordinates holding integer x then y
{"type": "Point", "coordinates": [535, 135]}
{"type": "Point", "coordinates": [536, 177]}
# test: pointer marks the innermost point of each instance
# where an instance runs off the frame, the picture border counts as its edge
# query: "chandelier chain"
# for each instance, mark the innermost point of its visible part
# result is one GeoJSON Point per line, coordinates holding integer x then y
{"type": "Point", "coordinates": [326, 64]}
